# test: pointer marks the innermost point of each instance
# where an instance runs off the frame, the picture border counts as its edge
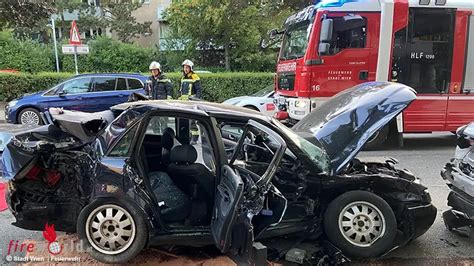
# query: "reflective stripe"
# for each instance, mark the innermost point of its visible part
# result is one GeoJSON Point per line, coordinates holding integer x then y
{"type": "Point", "coordinates": [164, 80]}
{"type": "Point", "coordinates": [188, 80]}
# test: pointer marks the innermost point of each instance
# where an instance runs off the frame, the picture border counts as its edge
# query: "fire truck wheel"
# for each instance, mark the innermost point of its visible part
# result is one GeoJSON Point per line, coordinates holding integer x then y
{"type": "Point", "coordinates": [113, 230]}
{"type": "Point", "coordinates": [361, 224]}
{"type": "Point", "coordinates": [377, 140]}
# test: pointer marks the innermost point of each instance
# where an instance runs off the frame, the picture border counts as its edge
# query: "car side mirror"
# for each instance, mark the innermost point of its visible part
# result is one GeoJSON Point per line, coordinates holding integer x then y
{"type": "Point", "coordinates": [273, 34]}
{"type": "Point", "coordinates": [326, 31]}
{"type": "Point", "coordinates": [62, 93]}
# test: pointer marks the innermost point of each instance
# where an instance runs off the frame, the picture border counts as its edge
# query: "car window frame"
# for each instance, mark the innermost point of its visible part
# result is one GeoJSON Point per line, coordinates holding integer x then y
{"type": "Point", "coordinates": [61, 87]}
{"type": "Point", "coordinates": [207, 121]}
{"type": "Point", "coordinates": [93, 87]}
{"type": "Point", "coordinates": [139, 80]}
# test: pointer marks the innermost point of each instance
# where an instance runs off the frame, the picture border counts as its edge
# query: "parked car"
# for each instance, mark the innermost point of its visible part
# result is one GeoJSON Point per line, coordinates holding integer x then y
{"type": "Point", "coordinates": [89, 93]}
{"type": "Point", "coordinates": [459, 173]}
{"type": "Point", "coordinates": [147, 178]}
{"type": "Point", "coordinates": [261, 101]}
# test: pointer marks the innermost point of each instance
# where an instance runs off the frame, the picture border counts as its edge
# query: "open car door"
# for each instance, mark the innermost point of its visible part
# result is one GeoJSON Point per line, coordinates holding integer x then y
{"type": "Point", "coordinates": [241, 193]}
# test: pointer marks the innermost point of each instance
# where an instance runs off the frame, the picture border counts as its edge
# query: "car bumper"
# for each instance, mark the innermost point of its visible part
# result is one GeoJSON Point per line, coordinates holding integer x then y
{"type": "Point", "coordinates": [422, 217]}
{"type": "Point", "coordinates": [462, 212]}
{"type": "Point", "coordinates": [9, 115]}
{"type": "Point", "coordinates": [458, 179]}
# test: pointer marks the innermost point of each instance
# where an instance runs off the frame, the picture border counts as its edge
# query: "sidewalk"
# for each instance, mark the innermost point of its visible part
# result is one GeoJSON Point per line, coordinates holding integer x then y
{"type": "Point", "coordinates": [2, 112]}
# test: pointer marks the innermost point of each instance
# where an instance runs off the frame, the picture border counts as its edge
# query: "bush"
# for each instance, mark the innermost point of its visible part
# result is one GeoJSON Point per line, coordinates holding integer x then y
{"type": "Point", "coordinates": [217, 87]}
{"type": "Point", "coordinates": [108, 55]}
{"type": "Point", "coordinates": [26, 56]}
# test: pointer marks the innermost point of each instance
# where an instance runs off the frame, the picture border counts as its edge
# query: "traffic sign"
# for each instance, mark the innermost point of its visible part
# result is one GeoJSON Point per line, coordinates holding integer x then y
{"type": "Point", "coordinates": [80, 49]}
{"type": "Point", "coordinates": [74, 37]}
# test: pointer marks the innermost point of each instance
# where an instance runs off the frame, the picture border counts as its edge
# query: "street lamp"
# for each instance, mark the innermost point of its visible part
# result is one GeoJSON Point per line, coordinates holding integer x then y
{"type": "Point", "coordinates": [55, 43]}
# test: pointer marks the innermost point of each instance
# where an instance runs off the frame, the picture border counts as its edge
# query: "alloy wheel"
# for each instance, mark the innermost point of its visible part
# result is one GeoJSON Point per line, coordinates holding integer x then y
{"type": "Point", "coordinates": [361, 223]}
{"type": "Point", "coordinates": [110, 229]}
{"type": "Point", "coordinates": [29, 118]}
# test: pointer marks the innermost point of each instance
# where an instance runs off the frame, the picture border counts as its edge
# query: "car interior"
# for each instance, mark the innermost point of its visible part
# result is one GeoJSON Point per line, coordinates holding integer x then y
{"type": "Point", "coordinates": [179, 159]}
{"type": "Point", "coordinates": [180, 162]}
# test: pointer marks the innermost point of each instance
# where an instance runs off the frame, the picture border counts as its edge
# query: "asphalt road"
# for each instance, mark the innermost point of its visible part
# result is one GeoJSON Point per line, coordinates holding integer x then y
{"type": "Point", "coordinates": [424, 155]}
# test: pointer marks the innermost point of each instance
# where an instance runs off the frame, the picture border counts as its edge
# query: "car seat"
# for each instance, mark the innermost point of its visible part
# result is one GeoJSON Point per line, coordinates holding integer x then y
{"type": "Point", "coordinates": [167, 143]}
{"type": "Point", "coordinates": [174, 204]}
{"type": "Point", "coordinates": [193, 178]}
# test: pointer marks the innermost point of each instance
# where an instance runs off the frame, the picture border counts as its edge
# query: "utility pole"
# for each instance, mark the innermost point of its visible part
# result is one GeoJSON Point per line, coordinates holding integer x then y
{"type": "Point", "coordinates": [55, 44]}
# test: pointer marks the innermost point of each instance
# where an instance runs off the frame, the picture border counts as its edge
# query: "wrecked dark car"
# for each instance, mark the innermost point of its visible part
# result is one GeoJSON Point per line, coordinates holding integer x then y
{"type": "Point", "coordinates": [195, 173]}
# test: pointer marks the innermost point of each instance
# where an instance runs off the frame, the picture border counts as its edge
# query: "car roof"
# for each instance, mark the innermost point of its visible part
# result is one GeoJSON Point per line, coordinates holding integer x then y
{"type": "Point", "coordinates": [218, 110]}
{"type": "Point", "coordinates": [126, 75]}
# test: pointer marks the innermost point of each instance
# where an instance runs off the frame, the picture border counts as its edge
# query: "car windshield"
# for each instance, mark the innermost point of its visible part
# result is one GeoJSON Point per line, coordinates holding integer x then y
{"type": "Point", "coordinates": [263, 92]}
{"type": "Point", "coordinates": [295, 41]}
{"type": "Point", "coordinates": [312, 151]}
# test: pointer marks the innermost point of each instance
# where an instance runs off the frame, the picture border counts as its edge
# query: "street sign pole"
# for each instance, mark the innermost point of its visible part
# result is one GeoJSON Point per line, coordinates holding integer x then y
{"type": "Point", "coordinates": [55, 44]}
{"type": "Point", "coordinates": [75, 59]}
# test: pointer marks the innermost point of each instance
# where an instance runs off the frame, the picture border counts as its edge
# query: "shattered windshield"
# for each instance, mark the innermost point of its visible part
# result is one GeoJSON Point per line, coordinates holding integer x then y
{"type": "Point", "coordinates": [295, 41]}
{"type": "Point", "coordinates": [314, 152]}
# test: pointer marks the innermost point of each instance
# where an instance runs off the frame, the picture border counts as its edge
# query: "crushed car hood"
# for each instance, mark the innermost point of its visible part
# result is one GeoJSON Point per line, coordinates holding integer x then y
{"type": "Point", "coordinates": [344, 123]}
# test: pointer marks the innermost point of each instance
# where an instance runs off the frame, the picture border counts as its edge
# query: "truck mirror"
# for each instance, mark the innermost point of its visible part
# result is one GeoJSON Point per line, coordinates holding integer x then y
{"type": "Point", "coordinates": [326, 31]}
{"type": "Point", "coordinates": [324, 48]}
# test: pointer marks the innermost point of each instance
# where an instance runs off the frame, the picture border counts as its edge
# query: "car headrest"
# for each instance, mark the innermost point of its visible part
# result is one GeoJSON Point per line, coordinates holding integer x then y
{"type": "Point", "coordinates": [167, 139]}
{"type": "Point", "coordinates": [183, 154]}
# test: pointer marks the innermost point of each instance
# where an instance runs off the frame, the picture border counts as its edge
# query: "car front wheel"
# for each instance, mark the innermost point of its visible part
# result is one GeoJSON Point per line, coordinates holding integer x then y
{"type": "Point", "coordinates": [113, 230]}
{"type": "Point", "coordinates": [361, 224]}
{"type": "Point", "coordinates": [29, 116]}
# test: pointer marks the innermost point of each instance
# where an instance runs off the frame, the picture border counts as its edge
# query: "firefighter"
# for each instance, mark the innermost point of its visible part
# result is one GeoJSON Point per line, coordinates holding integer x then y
{"type": "Point", "coordinates": [190, 83]}
{"type": "Point", "coordinates": [161, 88]}
{"type": "Point", "coordinates": [190, 87]}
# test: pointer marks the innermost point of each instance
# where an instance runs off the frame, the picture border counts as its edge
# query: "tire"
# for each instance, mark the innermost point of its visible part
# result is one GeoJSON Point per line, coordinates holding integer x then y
{"type": "Point", "coordinates": [251, 107]}
{"type": "Point", "coordinates": [375, 141]}
{"type": "Point", "coordinates": [381, 227]}
{"type": "Point", "coordinates": [29, 116]}
{"type": "Point", "coordinates": [133, 234]}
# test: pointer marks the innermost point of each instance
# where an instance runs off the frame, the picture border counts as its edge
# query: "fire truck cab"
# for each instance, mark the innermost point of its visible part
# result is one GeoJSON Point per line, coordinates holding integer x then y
{"type": "Point", "coordinates": [425, 44]}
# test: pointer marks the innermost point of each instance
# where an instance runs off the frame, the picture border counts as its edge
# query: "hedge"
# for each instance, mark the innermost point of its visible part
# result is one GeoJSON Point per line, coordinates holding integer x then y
{"type": "Point", "coordinates": [217, 87]}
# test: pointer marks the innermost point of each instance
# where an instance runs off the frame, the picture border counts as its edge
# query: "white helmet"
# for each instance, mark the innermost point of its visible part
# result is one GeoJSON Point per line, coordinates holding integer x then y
{"type": "Point", "coordinates": [189, 63]}
{"type": "Point", "coordinates": [155, 65]}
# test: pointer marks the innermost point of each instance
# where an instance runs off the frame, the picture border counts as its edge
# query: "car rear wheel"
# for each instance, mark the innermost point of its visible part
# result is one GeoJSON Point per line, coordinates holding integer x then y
{"type": "Point", "coordinates": [361, 224]}
{"type": "Point", "coordinates": [376, 141]}
{"type": "Point", "coordinates": [29, 116]}
{"type": "Point", "coordinates": [113, 230]}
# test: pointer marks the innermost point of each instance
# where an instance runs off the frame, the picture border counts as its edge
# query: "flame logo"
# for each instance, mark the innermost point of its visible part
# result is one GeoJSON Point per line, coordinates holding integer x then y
{"type": "Point", "coordinates": [54, 248]}
{"type": "Point", "coordinates": [49, 233]}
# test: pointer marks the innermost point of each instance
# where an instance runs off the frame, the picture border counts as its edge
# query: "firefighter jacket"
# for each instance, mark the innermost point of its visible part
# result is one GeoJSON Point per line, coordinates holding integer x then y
{"type": "Point", "coordinates": [190, 86]}
{"type": "Point", "coordinates": [161, 88]}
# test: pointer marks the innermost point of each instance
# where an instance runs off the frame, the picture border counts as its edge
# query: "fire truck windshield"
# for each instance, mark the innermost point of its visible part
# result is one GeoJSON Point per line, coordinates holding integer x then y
{"type": "Point", "coordinates": [295, 41]}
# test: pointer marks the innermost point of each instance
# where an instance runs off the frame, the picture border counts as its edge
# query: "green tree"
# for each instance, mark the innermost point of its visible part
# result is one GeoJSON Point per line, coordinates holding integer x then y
{"type": "Point", "coordinates": [115, 15]}
{"type": "Point", "coordinates": [24, 16]}
{"type": "Point", "coordinates": [236, 26]}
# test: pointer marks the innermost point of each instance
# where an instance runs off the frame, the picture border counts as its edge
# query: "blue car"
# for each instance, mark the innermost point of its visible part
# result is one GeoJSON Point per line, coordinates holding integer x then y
{"type": "Point", "coordinates": [89, 93]}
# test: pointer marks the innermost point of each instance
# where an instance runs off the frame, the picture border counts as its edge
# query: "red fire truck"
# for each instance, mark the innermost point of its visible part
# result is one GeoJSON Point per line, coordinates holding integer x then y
{"type": "Point", "coordinates": [426, 44]}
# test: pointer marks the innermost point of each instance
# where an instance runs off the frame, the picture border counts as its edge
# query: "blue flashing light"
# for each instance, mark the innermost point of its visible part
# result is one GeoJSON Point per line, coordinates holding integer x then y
{"type": "Point", "coordinates": [333, 3]}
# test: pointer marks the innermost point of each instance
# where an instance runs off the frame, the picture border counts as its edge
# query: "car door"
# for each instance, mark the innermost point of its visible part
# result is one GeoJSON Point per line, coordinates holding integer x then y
{"type": "Point", "coordinates": [70, 95]}
{"type": "Point", "coordinates": [103, 94]}
{"type": "Point", "coordinates": [241, 194]}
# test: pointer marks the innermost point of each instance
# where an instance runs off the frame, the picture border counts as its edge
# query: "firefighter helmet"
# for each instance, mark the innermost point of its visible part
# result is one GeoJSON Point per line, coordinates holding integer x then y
{"type": "Point", "coordinates": [189, 63]}
{"type": "Point", "coordinates": [155, 65]}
